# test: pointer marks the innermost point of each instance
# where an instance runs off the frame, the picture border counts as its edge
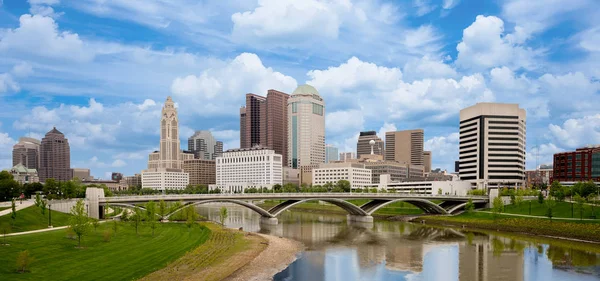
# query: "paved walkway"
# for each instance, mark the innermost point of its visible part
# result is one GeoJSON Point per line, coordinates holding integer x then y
{"type": "Point", "coordinates": [18, 206]}
{"type": "Point", "coordinates": [43, 230]}
{"type": "Point", "coordinates": [538, 217]}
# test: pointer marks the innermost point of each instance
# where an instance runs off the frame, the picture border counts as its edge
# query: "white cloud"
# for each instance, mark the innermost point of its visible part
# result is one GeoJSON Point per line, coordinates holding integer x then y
{"type": "Point", "coordinates": [37, 30]}
{"type": "Point", "coordinates": [344, 121]}
{"type": "Point", "coordinates": [449, 4]}
{"type": "Point", "coordinates": [82, 111]}
{"type": "Point", "coordinates": [577, 132]}
{"type": "Point", "coordinates": [590, 39]}
{"type": "Point", "coordinates": [444, 150]}
{"type": "Point", "coordinates": [22, 69]}
{"type": "Point", "coordinates": [296, 20]}
{"type": "Point", "coordinates": [422, 40]}
{"type": "Point", "coordinates": [6, 143]}
{"type": "Point", "coordinates": [220, 90]}
{"type": "Point", "coordinates": [118, 163]}
{"type": "Point", "coordinates": [484, 45]}
{"type": "Point", "coordinates": [354, 74]}
{"type": "Point", "coordinates": [542, 154]}
{"type": "Point", "coordinates": [423, 7]}
{"type": "Point", "coordinates": [426, 67]}
{"type": "Point", "coordinates": [7, 83]}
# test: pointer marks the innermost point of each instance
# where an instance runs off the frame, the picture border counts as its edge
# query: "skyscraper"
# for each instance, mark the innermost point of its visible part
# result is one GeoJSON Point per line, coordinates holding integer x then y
{"type": "Point", "coordinates": [492, 145]}
{"type": "Point", "coordinates": [263, 122]}
{"type": "Point", "coordinates": [363, 146]}
{"type": "Point", "coordinates": [306, 133]}
{"type": "Point", "coordinates": [55, 157]}
{"type": "Point", "coordinates": [427, 161]}
{"type": "Point", "coordinates": [405, 146]}
{"type": "Point", "coordinates": [27, 152]}
{"type": "Point", "coordinates": [165, 166]}
{"type": "Point", "coordinates": [256, 121]}
{"type": "Point", "coordinates": [204, 146]}
{"type": "Point", "coordinates": [331, 153]}
{"type": "Point", "coordinates": [170, 157]}
{"type": "Point", "coordinates": [243, 126]}
{"type": "Point", "coordinates": [346, 156]}
{"type": "Point", "coordinates": [277, 123]}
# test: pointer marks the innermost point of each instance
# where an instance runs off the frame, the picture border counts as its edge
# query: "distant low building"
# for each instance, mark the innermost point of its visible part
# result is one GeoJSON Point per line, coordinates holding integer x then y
{"type": "Point", "coordinates": [134, 181]}
{"type": "Point", "coordinates": [110, 184]}
{"type": "Point", "coordinates": [291, 175]}
{"type": "Point", "coordinates": [355, 173]}
{"type": "Point", "coordinates": [539, 176]}
{"type": "Point", "coordinates": [82, 174]}
{"type": "Point", "coordinates": [24, 175]}
{"type": "Point", "coordinates": [425, 187]}
{"type": "Point", "coordinates": [201, 172]}
{"type": "Point", "coordinates": [256, 167]}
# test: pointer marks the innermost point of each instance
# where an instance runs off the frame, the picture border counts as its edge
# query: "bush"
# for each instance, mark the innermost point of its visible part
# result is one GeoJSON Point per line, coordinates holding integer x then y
{"type": "Point", "coordinates": [476, 192]}
{"type": "Point", "coordinates": [106, 236]}
{"type": "Point", "coordinates": [23, 261]}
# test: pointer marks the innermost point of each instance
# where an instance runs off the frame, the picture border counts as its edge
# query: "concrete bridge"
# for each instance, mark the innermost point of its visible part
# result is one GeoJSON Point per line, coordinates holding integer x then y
{"type": "Point", "coordinates": [450, 203]}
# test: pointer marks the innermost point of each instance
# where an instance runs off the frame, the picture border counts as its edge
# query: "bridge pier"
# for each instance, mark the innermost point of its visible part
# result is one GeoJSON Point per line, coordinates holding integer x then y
{"type": "Point", "coordinates": [358, 218]}
{"type": "Point", "coordinates": [269, 221]}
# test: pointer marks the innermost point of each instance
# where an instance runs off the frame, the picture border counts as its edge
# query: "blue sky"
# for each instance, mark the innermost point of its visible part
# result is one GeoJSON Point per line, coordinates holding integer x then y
{"type": "Point", "coordinates": [99, 70]}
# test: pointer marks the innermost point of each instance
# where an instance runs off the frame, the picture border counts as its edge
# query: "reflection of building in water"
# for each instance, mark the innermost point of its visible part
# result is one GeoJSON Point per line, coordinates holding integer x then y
{"type": "Point", "coordinates": [309, 232]}
{"type": "Point", "coordinates": [371, 254]}
{"type": "Point", "coordinates": [404, 257]}
{"type": "Point", "coordinates": [440, 262]}
{"type": "Point", "coordinates": [341, 264]}
{"type": "Point", "coordinates": [481, 262]}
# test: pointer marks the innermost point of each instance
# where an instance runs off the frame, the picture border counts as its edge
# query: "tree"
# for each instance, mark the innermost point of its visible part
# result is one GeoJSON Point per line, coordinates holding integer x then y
{"type": "Point", "coordinates": [540, 198]}
{"type": "Point", "coordinates": [191, 216]}
{"type": "Point", "coordinates": [79, 221]}
{"type": "Point", "coordinates": [95, 224]}
{"type": "Point", "coordinates": [151, 215]}
{"type": "Point", "coordinates": [23, 261]}
{"type": "Point", "coordinates": [137, 218]}
{"type": "Point", "coordinates": [518, 200]}
{"type": "Point", "coordinates": [38, 200]}
{"type": "Point", "coordinates": [550, 204]}
{"type": "Point", "coordinates": [13, 213]}
{"type": "Point", "coordinates": [580, 202]}
{"type": "Point", "coordinates": [223, 215]}
{"type": "Point", "coordinates": [470, 206]}
{"type": "Point", "coordinates": [115, 226]}
{"type": "Point", "coordinates": [277, 188]}
{"type": "Point", "coordinates": [591, 198]}
{"type": "Point", "coordinates": [51, 188]}
{"type": "Point", "coordinates": [43, 206]}
{"type": "Point", "coordinates": [497, 206]}
{"type": "Point", "coordinates": [162, 208]}
{"type": "Point", "coordinates": [344, 185]}
{"type": "Point", "coordinates": [439, 191]}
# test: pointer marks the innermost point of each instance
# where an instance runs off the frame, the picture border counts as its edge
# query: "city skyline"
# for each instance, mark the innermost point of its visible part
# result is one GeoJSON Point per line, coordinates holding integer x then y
{"type": "Point", "coordinates": [103, 92]}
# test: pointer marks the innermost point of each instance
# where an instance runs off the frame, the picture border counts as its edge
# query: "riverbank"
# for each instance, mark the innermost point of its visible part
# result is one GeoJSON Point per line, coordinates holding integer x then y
{"type": "Point", "coordinates": [231, 255]}
{"type": "Point", "coordinates": [578, 231]}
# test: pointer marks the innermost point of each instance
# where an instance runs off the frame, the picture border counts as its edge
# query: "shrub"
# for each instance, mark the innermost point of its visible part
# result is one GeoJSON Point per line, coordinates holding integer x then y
{"type": "Point", "coordinates": [107, 235]}
{"type": "Point", "coordinates": [23, 261]}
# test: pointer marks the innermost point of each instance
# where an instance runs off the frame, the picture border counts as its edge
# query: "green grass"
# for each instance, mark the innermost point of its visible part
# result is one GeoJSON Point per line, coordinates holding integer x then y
{"type": "Point", "coordinates": [562, 210]}
{"type": "Point", "coordinates": [4, 208]}
{"type": "Point", "coordinates": [31, 218]}
{"type": "Point", "coordinates": [574, 229]}
{"type": "Point", "coordinates": [393, 209]}
{"type": "Point", "coordinates": [126, 257]}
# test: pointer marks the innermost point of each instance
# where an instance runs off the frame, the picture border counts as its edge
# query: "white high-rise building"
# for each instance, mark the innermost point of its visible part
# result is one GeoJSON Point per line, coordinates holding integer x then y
{"type": "Point", "coordinates": [165, 166]}
{"type": "Point", "coordinates": [355, 173]}
{"type": "Point", "coordinates": [306, 127]}
{"type": "Point", "coordinates": [492, 145]}
{"type": "Point", "coordinates": [243, 168]}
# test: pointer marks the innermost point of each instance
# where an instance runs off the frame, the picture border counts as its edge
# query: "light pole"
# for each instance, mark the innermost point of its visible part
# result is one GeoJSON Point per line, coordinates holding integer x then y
{"type": "Point", "coordinates": [49, 214]}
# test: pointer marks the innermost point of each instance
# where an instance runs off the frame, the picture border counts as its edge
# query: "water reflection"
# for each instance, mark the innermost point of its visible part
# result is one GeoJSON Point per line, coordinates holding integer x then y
{"type": "Point", "coordinates": [337, 250]}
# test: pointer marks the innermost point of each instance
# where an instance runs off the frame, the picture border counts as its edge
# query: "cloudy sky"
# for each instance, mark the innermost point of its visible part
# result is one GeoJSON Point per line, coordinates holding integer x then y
{"type": "Point", "coordinates": [99, 70]}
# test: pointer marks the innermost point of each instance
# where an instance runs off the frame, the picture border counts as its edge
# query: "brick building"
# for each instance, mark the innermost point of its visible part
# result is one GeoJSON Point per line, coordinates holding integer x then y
{"type": "Point", "coordinates": [583, 164]}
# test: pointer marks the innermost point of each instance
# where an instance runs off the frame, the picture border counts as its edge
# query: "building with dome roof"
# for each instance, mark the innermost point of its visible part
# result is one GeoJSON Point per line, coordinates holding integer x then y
{"type": "Point", "coordinates": [306, 127]}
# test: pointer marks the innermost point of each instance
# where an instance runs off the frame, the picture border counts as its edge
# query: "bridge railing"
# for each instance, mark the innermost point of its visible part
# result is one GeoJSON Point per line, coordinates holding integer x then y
{"type": "Point", "coordinates": [292, 195]}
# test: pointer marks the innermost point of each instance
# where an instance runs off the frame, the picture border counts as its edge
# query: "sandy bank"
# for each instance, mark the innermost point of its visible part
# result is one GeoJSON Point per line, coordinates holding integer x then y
{"type": "Point", "coordinates": [274, 258]}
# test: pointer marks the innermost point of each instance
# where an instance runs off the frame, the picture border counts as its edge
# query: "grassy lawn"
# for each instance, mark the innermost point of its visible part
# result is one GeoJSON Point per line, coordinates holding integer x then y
{"type": "Point", "coordinates": [126, 257]}
{"type": "Point", "coordinates": [562, 210]}
{"type": "Point", "coordinates": [575, 229]}
{"type": "Point", "coordinates": [396, 208]}
{"type": "Point", "coordinates": [4, 208]}
{"type": "Point", "coordinates": [225, 252]}
{"type": "Point", "coordinates": [31, 218]}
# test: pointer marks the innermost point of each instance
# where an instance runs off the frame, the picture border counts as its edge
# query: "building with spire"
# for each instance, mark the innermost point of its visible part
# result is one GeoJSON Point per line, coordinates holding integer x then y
{"type": "Point", "coordinates": [306, 127]}
{"type": "Point", "coordinates": [165, 166]}
{"type": "Point", "coordinates": [55, 157]}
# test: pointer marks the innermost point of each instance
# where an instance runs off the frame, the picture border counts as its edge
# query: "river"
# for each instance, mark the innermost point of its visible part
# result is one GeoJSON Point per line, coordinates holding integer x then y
{"type": "Point", "coordinates": [385, 250]}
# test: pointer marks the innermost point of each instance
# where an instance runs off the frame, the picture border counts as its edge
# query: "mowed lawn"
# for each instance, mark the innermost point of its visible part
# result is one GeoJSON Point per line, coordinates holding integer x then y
{"type": "Point", "coordinates": [31, 218]}
{"type": "Point", "coordinates": [562, 210]}
{"type": "Point", "coordinates": [126, 257]}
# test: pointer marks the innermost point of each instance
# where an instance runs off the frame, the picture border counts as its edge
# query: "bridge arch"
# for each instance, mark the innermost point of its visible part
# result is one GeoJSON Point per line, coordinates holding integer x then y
{"type": "Point", "coordinates": [347, 206]}
{"type": "Point", "coordinates": [423, 204]}
{"type": "Point", "coordinates": [250, 206]}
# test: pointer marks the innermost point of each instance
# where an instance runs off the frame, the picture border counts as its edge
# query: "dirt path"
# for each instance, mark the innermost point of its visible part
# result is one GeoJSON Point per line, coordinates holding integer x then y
{"type": "Point", "coordinates": [277, 256]}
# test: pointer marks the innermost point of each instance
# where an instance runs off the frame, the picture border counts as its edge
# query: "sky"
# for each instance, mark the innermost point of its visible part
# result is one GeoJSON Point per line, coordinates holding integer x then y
{"type": "Point", "coordinates": [100, 70]}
